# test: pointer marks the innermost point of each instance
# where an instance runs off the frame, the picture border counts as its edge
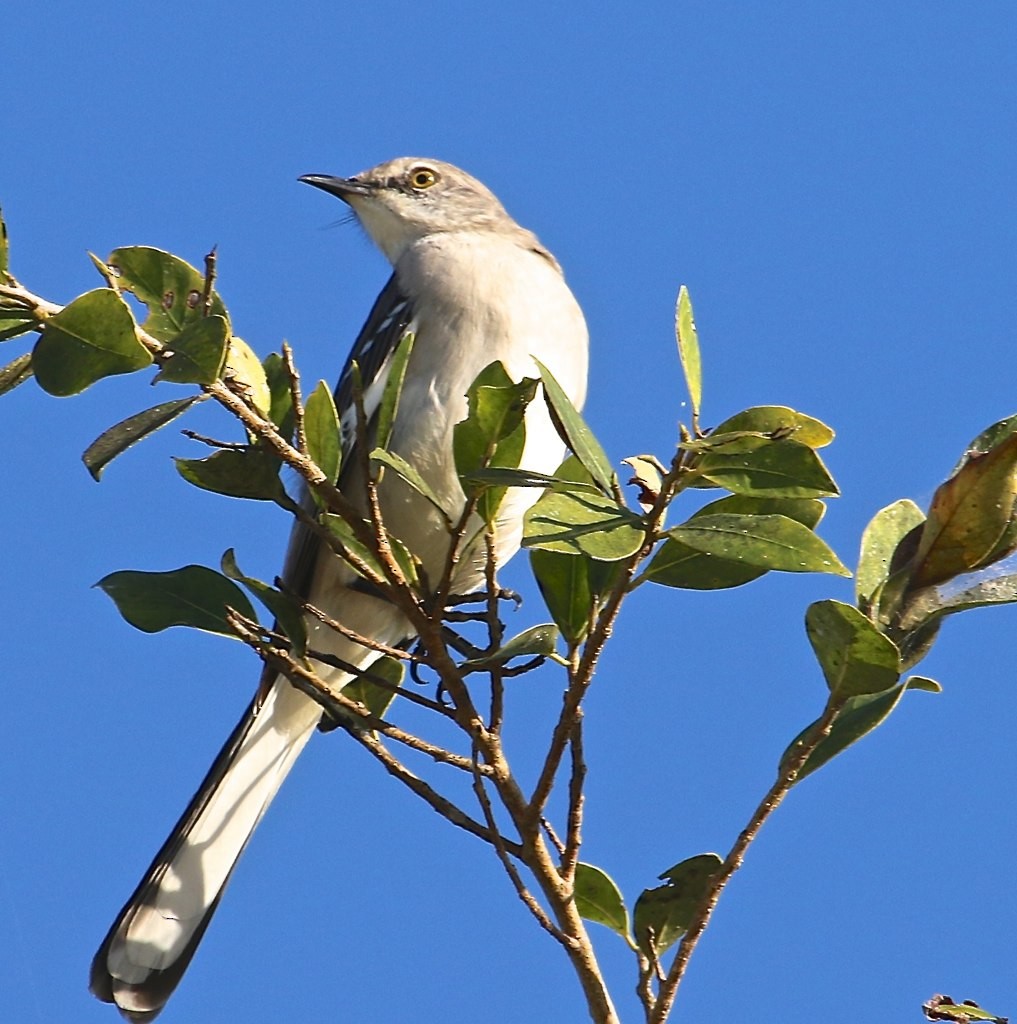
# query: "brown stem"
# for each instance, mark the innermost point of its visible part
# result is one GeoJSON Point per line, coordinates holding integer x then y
{"type": "Point", "coordinates": [786, 778]}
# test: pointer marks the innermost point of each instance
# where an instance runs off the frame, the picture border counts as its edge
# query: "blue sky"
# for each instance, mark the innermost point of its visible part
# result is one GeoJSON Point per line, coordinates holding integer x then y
{"type": "Point", "coordinates": [833, 182]}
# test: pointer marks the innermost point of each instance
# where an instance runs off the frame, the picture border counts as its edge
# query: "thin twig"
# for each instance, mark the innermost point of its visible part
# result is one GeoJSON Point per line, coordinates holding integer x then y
{"type": "Point", "coordinates": [211, 442]}
{"type": "Point", "coordinates": [296, 400]}
{"type": "Point", "coordinates": [429, 795]}
{"type": "Point", "coordinates": [206, 294]}
{"type": "Point", "coordinates": [495, 630]}
{"type": "Point", "coordinates": [786, 778]}
{"type": "Point", "coordinates": [518, 884]}
{"type": "Point", "coordinates": [574, 835]}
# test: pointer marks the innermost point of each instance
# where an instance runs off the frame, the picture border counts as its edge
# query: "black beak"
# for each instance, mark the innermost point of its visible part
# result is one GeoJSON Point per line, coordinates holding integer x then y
{"type": "Point", "coordinates": [343, 188]}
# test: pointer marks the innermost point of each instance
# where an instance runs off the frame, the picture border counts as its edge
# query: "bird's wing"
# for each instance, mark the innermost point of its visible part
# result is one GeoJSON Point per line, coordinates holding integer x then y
{"type": "Point", "coordinates": [390, 319]}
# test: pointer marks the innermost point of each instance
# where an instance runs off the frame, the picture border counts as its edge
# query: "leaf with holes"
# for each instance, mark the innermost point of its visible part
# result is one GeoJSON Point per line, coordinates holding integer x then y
{"type": "Point", "coordinates": [170, 288]}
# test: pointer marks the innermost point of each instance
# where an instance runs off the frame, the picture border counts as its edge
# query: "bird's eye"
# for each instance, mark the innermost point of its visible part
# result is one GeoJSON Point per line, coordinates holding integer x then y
{"type": "Point", "coordinates": [423, 177]}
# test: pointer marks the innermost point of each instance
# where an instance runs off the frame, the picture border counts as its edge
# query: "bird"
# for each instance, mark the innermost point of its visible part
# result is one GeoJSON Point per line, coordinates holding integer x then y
{"type": "Point", "coordinates": [473, 287]}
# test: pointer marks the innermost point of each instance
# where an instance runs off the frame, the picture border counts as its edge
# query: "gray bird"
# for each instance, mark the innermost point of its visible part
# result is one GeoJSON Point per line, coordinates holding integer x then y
{"type": "Point", "coordinates": [474, 287]}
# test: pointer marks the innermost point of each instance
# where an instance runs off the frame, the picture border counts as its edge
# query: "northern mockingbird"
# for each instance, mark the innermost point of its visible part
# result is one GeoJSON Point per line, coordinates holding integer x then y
{"type": "Point", "coordinates": [474, 287]}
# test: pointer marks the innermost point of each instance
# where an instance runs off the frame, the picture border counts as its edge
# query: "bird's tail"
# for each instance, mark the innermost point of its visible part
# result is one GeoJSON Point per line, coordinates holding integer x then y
{"type": "Point", "coordinates": [152, 941]}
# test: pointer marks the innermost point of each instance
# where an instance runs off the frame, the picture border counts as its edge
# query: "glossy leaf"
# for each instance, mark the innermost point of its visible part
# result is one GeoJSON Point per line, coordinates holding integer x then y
{"type": "Point", "coordinates": [662, 915]}
{"type": "Point", "coordinates": [197, 353]}
{"type": "Point", "coordinates": [589, 524]}
{"type": "Point", "coordinates": [367, 689]}
{"type": "Point", "coordinates": [923, 683]}
{"type": "Point", "coordinates": [688, 349]}
{"type": "Point", "coordinates": [859, 716]}
{"type": "Point", "coordinates": [343, 532]}
{"type": "Point", "coordinates": [289, 618]}
{"type": "Point", "coordinates": [760, 541]}
{"type": "Point", "coordinates": [771, 419]}
{"type": "Point", "coordinates": [238, 473]}
{"type": "Point", "coordinates": [15, 321]}
{"type": "Point", "coordinates": [575, 433]}
{"type": "Point", "coordinates": [411, 475]}
{"type": "Point", "coordinates": [537, 641]}
{"type": "Point", "coordinates": [16, 372]}
{"type": "Point", "coordinates": [599, 899]}
{"type": "Point", "coordinates": [281, 394]}
{"type": "Point", "coordinates": [807, 511]}
{"type": "Point", "coordinates": [855, 657]}
{"type": "Point", "coordinates": [92, 338]}
{"type": "Point", "coordinates": [934, 602]}
{"type": "Point", "coordinates": [321, 424]}
{"type": "Point", "coordinates": [118, 438]}
{"type": "Point", "coordinates": [778, 469]}
{"type": "Point", "coordinates": [194, 596]}
{"type": "Point", "coordinates": [389, 403]}
{"type": "Point", "coordinates": [168, 286]}
{"type": "Point", "coordinates": [970, 518]}
{"type": "Point", "coordinates": [498, 476]}
{"type": "Point", "coordinates": [880, 541]}
{"type": "Point", "coordinates": [493, 434]}
{"type": "Point", "coordinates": [988, 439]}
{"type": "Point", "coordinates": [564, 582]}
{"type": "Point", "coordinates": [245, 373]}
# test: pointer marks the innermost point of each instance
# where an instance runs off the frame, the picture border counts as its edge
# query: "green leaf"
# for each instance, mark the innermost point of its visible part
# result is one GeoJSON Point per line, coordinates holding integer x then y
{"type": "Point", "coordinates": [366, 689]}
{"type": "Point", "coordinates": [589, 524]}
{"type": "Point", "coordinates": [988, 439]}
{"type": "Point", "coordinates": [493, 434]}
{"type": "Point", "coordinates": [280, 390]}
{"type": "Point", "coordinates": [92, 338]}
{"type": "Point", "coordinates": [760, 541]}
{"type": "Point", "coordinates": [778, 419]}
{"type": "Point", "coordinates": [168, 286]}
{"type": "Point", "coordinates": [572, 429]}
{"type": "Point", "coordinates": [389, 403]}
{"type": "Point", "coordinates": [412, 477]}
{"type": "Point", "coordinates": [934, 602]}
{"type": "Point", "coordinates": [858, 716]}
{"type": "Point", "coordinates": [117, 439]}
{"type": "Point", "coordinates": [249, 472]}
{"type": "Point", "coordinates": [662, 915]}
{"type": "Point", "coordinates": [15, 321]}
{"type": "Point", "coordinates": [197, 353]}
{"type": "Point", "coordinates": [923, 683]}
{"type": "Point", "coordinates": [855, 657]}
{"type": "Point", "coordinates": [345, 535]}
{"type": "Point", "coordinates": [564, 582]}
{"type": "Point", "coordinates": [677, 565]}
{"type": "Point", "coordinates": [971, 520]}
{"type": "Point", "coordinates": [321, 424]}
{"type": "Point", "coordinates": [881, 538]}
{"type": "Point", "coordinates": [16, 372]}
{"type": "Point", "coordinates": [194, 596]}
{"type": "Point", "coordinates": [289, 617]}
{"type": "Point", "coordinates": [777, 469]}
{"type": "Point", "coordinates": [599, 899]}
{"type": "Point", "coordinates": [244, 372]}
{"type": "Point", "coordinates": [537, 641]}
{"type": "Point", "coordinates": [688, 349]}
{"type": "Point", "coordinates": [807, 511]}
{"type": "Point", "coordinates": [497, 476]}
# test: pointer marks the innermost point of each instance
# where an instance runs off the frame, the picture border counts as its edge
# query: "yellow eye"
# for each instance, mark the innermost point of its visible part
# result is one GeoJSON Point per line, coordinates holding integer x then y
{"type": "Point", "coordinates": [423, 177]}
